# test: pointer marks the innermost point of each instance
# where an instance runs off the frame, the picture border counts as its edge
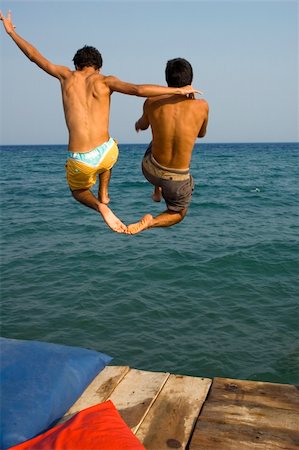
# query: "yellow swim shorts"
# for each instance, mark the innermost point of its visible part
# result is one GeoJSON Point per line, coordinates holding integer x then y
{"type": "Point", "coordinates": [82, 168]}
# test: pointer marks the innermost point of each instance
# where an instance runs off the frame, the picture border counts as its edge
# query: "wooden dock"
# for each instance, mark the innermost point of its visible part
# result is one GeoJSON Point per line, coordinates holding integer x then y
{"type": "Point", "coordinates": [168, 411]}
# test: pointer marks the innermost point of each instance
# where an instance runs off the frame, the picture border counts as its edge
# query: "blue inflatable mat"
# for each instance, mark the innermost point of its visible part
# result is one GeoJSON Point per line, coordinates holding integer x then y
{"type": "Point", "coordinates": [39, 382]}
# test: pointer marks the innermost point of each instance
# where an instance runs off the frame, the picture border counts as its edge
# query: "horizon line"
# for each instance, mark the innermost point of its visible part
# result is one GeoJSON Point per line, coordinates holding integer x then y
{"type": "Point", "coordinates": [147, 143]}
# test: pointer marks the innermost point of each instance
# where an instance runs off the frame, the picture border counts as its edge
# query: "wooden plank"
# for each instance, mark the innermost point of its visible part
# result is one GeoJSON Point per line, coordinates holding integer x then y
{"type": "Point", "coordinates": [99, 389]}
{"type": "Point", "coordinates": [136, 393]}
{"type": "Point", "coordinates": [282, 396]}
{"type": "Point", "coordinates": [230, 437]}
{"type": "Point", "coordinates": [248, 415]}
{"type": "Point", "coordinates": [170, 421]}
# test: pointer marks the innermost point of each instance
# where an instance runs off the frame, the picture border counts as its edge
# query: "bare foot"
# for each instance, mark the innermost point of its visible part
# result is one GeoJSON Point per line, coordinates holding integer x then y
{"type": "Point", "coordinates": [143, 224]}
{"type": "Point", "coordinates": [111, 220]}
{"type": "Point", "coordinates": [103, 198]}
{"type": "Point", "coordinates": [157, 194]}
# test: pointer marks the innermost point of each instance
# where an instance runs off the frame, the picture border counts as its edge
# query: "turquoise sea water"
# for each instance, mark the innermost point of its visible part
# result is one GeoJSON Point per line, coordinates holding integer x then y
{"type": "Point", "coordinates": [216, 295]}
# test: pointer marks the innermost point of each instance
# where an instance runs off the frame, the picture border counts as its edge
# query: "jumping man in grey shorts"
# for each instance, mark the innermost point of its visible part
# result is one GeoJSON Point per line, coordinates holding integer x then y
{"type": "Point", "coordinates": [176, 122]}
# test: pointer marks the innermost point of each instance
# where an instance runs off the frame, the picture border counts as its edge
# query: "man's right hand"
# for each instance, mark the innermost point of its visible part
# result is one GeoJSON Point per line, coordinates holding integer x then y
{"type": "Point", "coordinates": [7, 22]}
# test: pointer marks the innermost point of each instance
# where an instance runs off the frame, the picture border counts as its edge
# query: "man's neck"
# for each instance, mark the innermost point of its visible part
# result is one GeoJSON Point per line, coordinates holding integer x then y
{"type": "Point", "coordinates": [88, 70]}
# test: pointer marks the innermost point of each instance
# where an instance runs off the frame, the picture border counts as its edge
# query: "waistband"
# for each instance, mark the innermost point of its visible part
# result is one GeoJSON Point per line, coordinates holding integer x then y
{"type": "Point", "coordinates": [168, 169]}
{"type": "Point", "coordinates": [154, 168]}
{"type": "Point", "coordinates": [91, 153]}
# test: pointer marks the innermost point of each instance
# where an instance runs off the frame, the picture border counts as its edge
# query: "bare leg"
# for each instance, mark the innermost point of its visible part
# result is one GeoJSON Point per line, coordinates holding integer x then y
{"type": "Point", "coordinates": [166, 219]}
{"type": "Point", "coordinates": [157, 194]}
{"type": "Point", "coordinates": [87, 198]}
{"type": "Point", "coordinates": [104, 179]}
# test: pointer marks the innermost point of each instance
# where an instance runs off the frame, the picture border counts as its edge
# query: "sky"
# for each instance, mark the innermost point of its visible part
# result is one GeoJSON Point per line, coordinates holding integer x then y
{"type": "Point", "coordinates": [244, 56]}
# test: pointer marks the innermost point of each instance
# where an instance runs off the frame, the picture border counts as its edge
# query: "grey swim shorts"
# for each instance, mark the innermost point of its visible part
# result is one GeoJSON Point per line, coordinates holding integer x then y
{"type": "Point", "coordinates": [177, 185]}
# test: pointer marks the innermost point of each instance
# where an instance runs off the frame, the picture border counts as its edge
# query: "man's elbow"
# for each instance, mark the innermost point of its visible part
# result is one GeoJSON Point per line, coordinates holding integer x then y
{"type": "Point", "coordinates": [134, 89]}
{"type": "Point", "coordinates": [202, 133]}
{"type": "Point", "coordinates": [138, 90]}
{"type": "Point", "coordinates": [30, 55]}
{"type": "Point", "coordinates": [33, 55]}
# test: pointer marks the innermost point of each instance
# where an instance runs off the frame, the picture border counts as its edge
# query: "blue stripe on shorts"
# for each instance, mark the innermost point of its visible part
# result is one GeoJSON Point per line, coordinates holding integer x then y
{"type": "Point", "coordinates": [95, 156]}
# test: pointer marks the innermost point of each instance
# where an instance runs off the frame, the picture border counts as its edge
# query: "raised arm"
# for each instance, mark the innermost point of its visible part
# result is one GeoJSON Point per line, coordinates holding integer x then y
{"type": "Point", "coordinates": [31, 52]}
{"type": "Point", "coordinates": [146, 90]}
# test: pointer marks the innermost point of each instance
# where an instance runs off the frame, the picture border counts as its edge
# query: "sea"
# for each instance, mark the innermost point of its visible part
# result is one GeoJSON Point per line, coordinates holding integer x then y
{"type": "Point", "coordinates": [213, 296]}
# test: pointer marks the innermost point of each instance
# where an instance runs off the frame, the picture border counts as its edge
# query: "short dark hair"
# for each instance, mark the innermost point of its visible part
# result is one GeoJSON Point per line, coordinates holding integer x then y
{"type": "Point", "coordinates": [88, 57]}
{"type": "Point", "coordinates": [178, 72]}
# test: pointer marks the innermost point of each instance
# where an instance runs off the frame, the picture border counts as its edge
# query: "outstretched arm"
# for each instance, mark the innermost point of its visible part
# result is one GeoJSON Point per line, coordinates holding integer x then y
{"type": "Point", "coordinates": [146, 90]}
{"type": "Point", "coordinates": [31, 52]}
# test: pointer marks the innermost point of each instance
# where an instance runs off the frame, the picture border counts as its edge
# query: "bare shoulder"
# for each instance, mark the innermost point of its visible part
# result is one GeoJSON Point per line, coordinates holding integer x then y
{"type": "Point", "coordinates": [201, 106]}
{"type": "Point", "coordinates": [67, 75]}
{"type": "Point", "coordinates": [202, 102]}
{"type": "Point", "coordinates": [100, 82]}
{"type": "Point", "coordinates": [149, 101]}
{"type": "Point", "coordinates": [109, 80]}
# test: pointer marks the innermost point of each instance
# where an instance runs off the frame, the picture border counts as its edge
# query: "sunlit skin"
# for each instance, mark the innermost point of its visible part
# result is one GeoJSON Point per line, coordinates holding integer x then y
{"type": "Point", "coordinates": [176, 122]}
{"type": "Point", "coordinates": [86, 101]}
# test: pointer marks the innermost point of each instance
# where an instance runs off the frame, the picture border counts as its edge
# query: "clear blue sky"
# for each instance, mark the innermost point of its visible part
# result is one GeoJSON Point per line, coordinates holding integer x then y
{"type": "Point", "coordinates": [244, 56]}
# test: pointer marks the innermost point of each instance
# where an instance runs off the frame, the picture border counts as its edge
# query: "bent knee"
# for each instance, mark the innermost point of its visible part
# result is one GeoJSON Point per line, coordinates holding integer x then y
{"type": "Point", "coordinates": [182, 213]}
{"type": "Point", "coordinates": [77, 193]}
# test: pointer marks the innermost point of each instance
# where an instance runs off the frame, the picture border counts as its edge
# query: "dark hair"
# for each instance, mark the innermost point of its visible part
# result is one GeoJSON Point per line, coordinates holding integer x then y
{"type": "Point", "coordinates": [178, 72]}
{"type": "Point", "coordinates": [88, 57]}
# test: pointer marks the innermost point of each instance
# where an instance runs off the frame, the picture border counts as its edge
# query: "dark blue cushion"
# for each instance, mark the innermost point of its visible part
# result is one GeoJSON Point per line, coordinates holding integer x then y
{"type": "Point", "coordinates": [39, 382]}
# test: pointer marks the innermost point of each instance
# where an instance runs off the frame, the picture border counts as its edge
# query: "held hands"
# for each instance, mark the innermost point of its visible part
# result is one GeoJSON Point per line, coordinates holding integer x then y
{"type": "Point", "coordinates": [7, 22]}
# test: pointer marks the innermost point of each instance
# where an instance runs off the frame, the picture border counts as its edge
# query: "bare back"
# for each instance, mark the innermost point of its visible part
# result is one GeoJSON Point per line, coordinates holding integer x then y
{"type": "Point", "coordinates": [176, 122]}
{"type": "Point", "coordinates": [86, 102]}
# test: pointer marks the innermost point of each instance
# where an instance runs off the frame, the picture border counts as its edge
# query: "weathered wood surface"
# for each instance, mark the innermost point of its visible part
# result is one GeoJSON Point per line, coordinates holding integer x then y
{"type": "Point", "coordinates": [170, 420]}
{"type": "Point", "coordinates": [99, 389]}
{"type": "Point", "coordinates": [134, 396]}
{"type": "Point", "coordinates": [165, 411]}
{"type": "Point", "coordinates": [248, 415]}
{"type": "Point", "coordinates": [161, 409]}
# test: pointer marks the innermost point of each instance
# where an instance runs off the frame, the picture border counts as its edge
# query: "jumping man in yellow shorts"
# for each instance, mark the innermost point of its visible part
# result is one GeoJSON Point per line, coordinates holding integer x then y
{"type": "Point", "coordinates": [86, 101]}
